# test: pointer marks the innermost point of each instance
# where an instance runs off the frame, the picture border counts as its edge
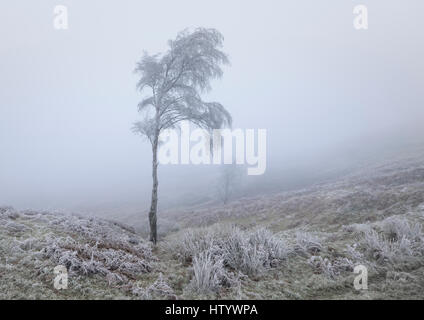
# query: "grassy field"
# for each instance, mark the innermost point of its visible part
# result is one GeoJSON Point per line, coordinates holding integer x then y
{"type": "Point", "coordinates": [302, 244]}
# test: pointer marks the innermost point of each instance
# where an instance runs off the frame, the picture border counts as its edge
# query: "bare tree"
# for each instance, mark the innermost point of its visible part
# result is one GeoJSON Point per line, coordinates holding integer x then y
{"type": "Point", "coordinates": [172, 84]}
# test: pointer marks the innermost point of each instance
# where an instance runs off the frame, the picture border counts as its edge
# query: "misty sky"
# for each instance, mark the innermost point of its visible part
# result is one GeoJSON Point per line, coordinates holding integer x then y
{"type": "Point", "coordinates": [298, 69]}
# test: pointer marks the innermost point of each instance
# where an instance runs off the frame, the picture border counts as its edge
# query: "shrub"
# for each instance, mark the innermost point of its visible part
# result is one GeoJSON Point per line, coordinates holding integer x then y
{"type": "Point", "coordinates": [385, 250]}
{"type": "Point", "coordinates": [397, 228]}
{"type": "Point", "coordinates": [158, 290]}
{"type": "Point", "coordinates": [353, 252]}
{"type": "Point", "coordinates": [253, 252]}
{"type": "Point", "coordinates": [356, 228]}
{"type": "Point", "coordinates": [323, 265]}
{"type": "Point", "coordinates": [87, 259]}
{"type": "Point", "coordinates": [250, 252]}
{"type": "Point", "coordinates": [306, 242]}
{"type": "Point", "coordinates": [209, 272]}
{"type": "Point", "coordinates": [331, 269]}
{"type": "Point", "coordinates": [242, 254]}
{"type": "Point", "coordinates": [8, 213]}
{"type": "Point", "coordinates": [198, 241]}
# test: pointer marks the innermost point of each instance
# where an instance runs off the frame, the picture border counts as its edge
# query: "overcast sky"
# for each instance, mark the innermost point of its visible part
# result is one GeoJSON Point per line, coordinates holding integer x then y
{"type": "Point", "coordinates": [298, 69]}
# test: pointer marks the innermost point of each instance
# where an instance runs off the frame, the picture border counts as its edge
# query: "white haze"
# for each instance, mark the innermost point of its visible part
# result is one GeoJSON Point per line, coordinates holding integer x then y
{"type": "Point", "coordinates": [329, 95]}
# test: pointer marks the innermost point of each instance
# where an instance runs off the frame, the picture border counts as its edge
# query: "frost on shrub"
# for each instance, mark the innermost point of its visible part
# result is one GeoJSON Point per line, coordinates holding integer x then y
{"type": "Point", "coordinates": [353, 252]}
{"type": "Point", "coordinates": [249, 252]}
{"type": "Point", "coordinates": [331, 269]}
{"type": "Point", "coordinates": [8, 213]}
{"type": "Point", "coordinates": [30, 244]}
{"type": "Point", "coordinates": [158, 290]}
{"type": "Point", "coordinates": [14, 227]}
{"type": "Point", "coordinates": [241, 255]}
{"type": "Point", "coordinates": [323, 265]}
{"type": "Point", "coordinates": [90, 259]}
{"type": "Point", "coordinates": [85, 246]}
{"type": "Point", "coordinates": [209, 272]}
{"type": "Point", "coordinates": [386, 250]}
{"type": "Point", "coordinates": [396, 241]}
{"type": "Point", "coordinates": [252, 253]}
{"type": "Point", "coordinates": [96, 246]}
{"type": "Point", "coordinates": [307, 242]}
{"type": "Point", "coordinates": [397, 228]}
{"type": "Point", "coordinates": [198, 241]}
{"type": "Point", "coordinates": [356, 228]}
{"type": "Point", "coordinates": [275, 248]}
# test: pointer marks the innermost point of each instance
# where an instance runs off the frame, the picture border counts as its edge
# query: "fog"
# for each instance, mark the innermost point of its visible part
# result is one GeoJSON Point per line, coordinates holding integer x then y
{"type": "Point", "coordinates": [329, 96]}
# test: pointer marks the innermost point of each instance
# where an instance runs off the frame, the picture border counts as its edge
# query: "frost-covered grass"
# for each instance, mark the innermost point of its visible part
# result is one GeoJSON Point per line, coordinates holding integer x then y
{"type": "Point", "coordinates": [102, 253]}
{"type": "Point", "coordinates": [221, 255]}
{"type": "Point", "coordinates": [209, 273]}
{"type": "Point", "coordinates": [95, 246]}
{"type": "Point", "coordinates": [248, 251]}
{"type": "Point", "coordinates": [301, 244]}
{"type": "Point", "coordinates": [399, 241]}
{"type": "Point", "coordinates": [159, 289]}
{"type": "Point", "coordinates": [307, 242]}
{"type": "Point", "coordinates": [108, 260]}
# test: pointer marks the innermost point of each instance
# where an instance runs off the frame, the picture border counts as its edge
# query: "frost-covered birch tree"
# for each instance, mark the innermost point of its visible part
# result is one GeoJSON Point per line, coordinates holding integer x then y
{"type": "Point", "coordinates": [228, 183]}
{"type": "Point", "coordinates": [172, 84]}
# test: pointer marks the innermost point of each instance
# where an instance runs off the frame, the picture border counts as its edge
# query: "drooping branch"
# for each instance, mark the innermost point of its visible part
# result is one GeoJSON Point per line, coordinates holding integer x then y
{"type": "Point", "coordinates": [177, 78]}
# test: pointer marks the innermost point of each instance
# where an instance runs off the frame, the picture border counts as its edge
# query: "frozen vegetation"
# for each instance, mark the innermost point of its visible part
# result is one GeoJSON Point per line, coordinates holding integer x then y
{"type": "Point", "coordinates": [302, 244]}
{"type": "Point", "coordinates": [95, 252]}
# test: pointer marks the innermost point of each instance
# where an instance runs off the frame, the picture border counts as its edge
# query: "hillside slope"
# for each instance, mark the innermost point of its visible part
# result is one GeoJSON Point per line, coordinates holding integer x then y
{"type": "Point", "coordinates": [302, 244]}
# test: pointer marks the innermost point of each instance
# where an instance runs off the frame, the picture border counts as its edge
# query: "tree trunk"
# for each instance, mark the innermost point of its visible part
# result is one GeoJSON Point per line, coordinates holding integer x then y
{"type": "Point", "coordinates": [154, 203]}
